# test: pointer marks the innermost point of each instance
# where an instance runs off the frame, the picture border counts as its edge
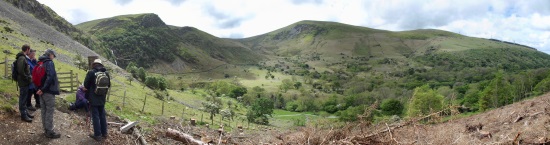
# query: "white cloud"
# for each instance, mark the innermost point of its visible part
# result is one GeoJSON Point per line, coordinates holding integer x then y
{"type": "Point", "coordinates": [541, 22]}
{"type": "Point", "coordinates": [524, 22]}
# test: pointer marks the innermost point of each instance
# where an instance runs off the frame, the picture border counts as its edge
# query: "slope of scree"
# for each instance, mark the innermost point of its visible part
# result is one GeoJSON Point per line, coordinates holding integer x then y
{"type": "Point", "coordinates": [35, 28]}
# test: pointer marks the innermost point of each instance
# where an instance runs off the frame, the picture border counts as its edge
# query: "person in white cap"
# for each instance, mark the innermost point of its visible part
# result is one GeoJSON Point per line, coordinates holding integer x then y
{"type": "Point", "coordinates": [97, 83]}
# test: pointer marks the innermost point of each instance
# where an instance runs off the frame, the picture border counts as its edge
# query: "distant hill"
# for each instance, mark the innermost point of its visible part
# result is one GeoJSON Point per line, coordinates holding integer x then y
{"type": "Point", "coordinates": [389, 51]}
{"type": "Point", "coordinates": [147, 40]}
{"type": "Point", "coordinates": [323, 68]}
{"type": "Point", "coordinates": [331, 39]}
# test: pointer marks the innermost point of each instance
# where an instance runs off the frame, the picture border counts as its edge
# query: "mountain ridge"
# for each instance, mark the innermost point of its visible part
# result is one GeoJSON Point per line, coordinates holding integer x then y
{"type": "Point", "coordinates": [311, 66]}
{"type": "Point", "coordinates": [196, 48]}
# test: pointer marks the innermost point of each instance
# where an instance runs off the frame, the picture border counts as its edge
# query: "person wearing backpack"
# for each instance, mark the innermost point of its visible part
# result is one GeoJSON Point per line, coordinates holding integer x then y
{"type": "Point", "coordinates": [47, 89]}
{"type": "Point", "coordinates": [31, 60]}
{"type": "Point", "coordinates": [23, 76]}
{"type": "Point", "coordinates": [97, 83]}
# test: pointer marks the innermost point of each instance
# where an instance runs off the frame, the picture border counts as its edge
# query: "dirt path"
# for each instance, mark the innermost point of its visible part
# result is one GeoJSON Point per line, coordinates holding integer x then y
{"type": "Point", "coordinates": [71, 125]}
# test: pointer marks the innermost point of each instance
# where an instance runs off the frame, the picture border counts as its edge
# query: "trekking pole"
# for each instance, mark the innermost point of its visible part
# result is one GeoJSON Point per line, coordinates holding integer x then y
{"type": "Point", "coordinates": [88, 118]}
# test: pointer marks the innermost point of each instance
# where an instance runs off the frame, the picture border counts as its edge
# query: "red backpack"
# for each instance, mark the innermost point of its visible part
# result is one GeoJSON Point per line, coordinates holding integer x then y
{"type": "Point", "coordinates": [38, 73]}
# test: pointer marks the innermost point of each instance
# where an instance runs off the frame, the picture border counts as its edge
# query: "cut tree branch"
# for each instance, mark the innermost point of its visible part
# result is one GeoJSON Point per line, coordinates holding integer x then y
{"type": "Point", "coordinates": [182, 137]}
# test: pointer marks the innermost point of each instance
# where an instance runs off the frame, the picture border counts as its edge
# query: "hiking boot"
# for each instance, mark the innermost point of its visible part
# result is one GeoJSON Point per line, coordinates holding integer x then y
{"type": "Point", "coordinates": [31, 108]}
{"type": "Point", "coordinates": [30, 116]}
{"type": "Point", "coordinates": [53, 135]}
{"type": "Point", "coordinates": [105, 136]}
{"type": "Point", "coordinates": [96, 138]}
{"type": "Point", "coordinates": [26, 118]}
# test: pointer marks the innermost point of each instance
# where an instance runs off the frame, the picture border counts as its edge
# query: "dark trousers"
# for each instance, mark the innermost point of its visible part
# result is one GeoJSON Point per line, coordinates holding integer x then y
{"type": "Point", "coordinates": [99, 121]}
{"type": "Point", "coordinates": [80, 104]}
{"type": "Point", "coordinates": [29, 98]}
{"type": "Point", "coordinates": [23, 95]}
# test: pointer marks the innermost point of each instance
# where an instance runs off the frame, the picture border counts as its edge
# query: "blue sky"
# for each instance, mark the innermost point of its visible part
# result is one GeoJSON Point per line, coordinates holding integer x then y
{"type": "Point", "coordinates": [526, 22]}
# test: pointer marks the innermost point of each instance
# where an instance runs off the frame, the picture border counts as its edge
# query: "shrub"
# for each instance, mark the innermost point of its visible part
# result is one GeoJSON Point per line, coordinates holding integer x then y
{"type": "Point", "coordinates": [424, 101]}
{"type": "Point", "coordinates": [260, 110]}
{"type": "Point", "coordinates": [391, 107]}
{"type": "Point", "coordinates": [151, 82]}
{"type": "Point", "coordinates": [237, 92]}
{"type": "Point", "coordinates": [291, 106]}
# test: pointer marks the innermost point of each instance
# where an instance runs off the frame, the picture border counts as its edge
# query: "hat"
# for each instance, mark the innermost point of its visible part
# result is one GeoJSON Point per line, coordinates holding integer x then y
{"type": "Point", "coordinates": [97, 61]}
{"type": "Point", "coordinates": [49, 51]}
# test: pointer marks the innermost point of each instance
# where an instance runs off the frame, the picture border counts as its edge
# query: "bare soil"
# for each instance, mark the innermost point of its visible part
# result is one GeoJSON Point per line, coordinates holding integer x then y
{"type": "Point", "coordinates": [525, 122]}
{"type": "Point", "coordinates": [70, 124]}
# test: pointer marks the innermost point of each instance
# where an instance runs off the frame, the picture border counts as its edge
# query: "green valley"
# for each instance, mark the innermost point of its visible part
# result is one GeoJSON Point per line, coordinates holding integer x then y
{"type": "Point", "coordinates": [316, 74]}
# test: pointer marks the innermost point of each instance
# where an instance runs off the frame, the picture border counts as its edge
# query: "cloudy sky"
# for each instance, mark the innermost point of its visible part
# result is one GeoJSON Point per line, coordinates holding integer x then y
{"type": "Point", "coordinates": [521, 21]}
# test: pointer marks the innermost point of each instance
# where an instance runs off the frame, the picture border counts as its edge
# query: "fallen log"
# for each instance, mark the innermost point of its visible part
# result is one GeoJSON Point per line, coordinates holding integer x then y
{"type": "Point", "coordinates": [484, 134]}
{"type": "Point", "coordinates": [519, 118]}
{"type": "Point", "coordinates": [115, 123]}
{"type": "Point", "coordinates": [408, 122]}
{"type": "Point", "coordinates": [127, 127]}
{"type": "Point", "coordinates": [140, 137]}
{"type": "Point", "coordinates": [182, 137]}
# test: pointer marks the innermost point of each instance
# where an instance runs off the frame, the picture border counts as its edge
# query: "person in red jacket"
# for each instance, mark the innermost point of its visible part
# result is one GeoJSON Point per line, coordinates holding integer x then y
{"type": "Point", "coordinates": [47, 92]}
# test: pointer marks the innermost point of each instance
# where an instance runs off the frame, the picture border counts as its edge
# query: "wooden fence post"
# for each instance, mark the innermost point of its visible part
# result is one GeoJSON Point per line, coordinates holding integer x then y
{"type": "Point", "coordinates": [163, 100]}
{"type": "Point", "coordinates": [71, 78]}
{"type": "Point", "coordinates": [124, 99]}
{"type": "Point", "coordinates": [143, 108]}
{"type": "Point", "coordinates": [6, 63]}
{"type": "Point", "coordinates": [183, 112]}
{"type": "Point", "coordinates": [77, 81]}
{"type": "Point", "coordinates": [109, 94]}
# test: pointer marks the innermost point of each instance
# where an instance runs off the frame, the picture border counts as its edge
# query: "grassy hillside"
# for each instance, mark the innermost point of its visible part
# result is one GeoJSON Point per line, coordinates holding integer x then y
{"type": "Point", "coordinates": [326, 69]}
{"type": "Point", "coordinates": [361, 66]}
{"type": "Point", "coordinates": [148, 41]}
{"type": "Point", "coordinates": [126, 95]}
{"type": "Point", "coordinates": [18, 28]}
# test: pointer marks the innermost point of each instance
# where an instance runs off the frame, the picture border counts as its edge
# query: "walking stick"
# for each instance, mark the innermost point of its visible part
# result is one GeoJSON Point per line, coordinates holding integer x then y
{"type": "Point", "coordinates": [88, 118]}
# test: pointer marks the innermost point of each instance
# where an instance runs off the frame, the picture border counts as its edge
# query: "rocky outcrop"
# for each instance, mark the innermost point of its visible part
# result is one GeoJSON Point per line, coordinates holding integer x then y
{"type": "Point", "coordinates": [45, 14]}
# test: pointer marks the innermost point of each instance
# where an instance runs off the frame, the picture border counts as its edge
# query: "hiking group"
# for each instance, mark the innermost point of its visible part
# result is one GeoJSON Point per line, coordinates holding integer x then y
{"type": "Point", "coordinates": [39, 78]}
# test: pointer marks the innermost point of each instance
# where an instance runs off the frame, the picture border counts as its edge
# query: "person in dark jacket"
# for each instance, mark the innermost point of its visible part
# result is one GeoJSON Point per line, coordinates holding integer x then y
{"type": "Point", "coordinates": [23, 81]}
{"type": "Point", "coordinates": [97, 102]}
{"type": "Point", "coordinates": [81, 101]}
{"type": "Point", "coordinates": [31, 60]}
{"type": "Point", "coordinates": [47, 92]}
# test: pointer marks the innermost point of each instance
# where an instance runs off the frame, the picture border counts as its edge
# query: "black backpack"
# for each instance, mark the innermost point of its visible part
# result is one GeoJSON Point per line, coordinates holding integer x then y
{"type": "Point", "coordinates": [14, 71]}
{"type": "Point", "coordinates": [102, 83]}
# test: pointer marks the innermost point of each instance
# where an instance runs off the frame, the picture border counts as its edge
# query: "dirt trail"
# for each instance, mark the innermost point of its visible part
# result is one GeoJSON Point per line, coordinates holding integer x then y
{"type": "Point", "coordinates": [71, 125]}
